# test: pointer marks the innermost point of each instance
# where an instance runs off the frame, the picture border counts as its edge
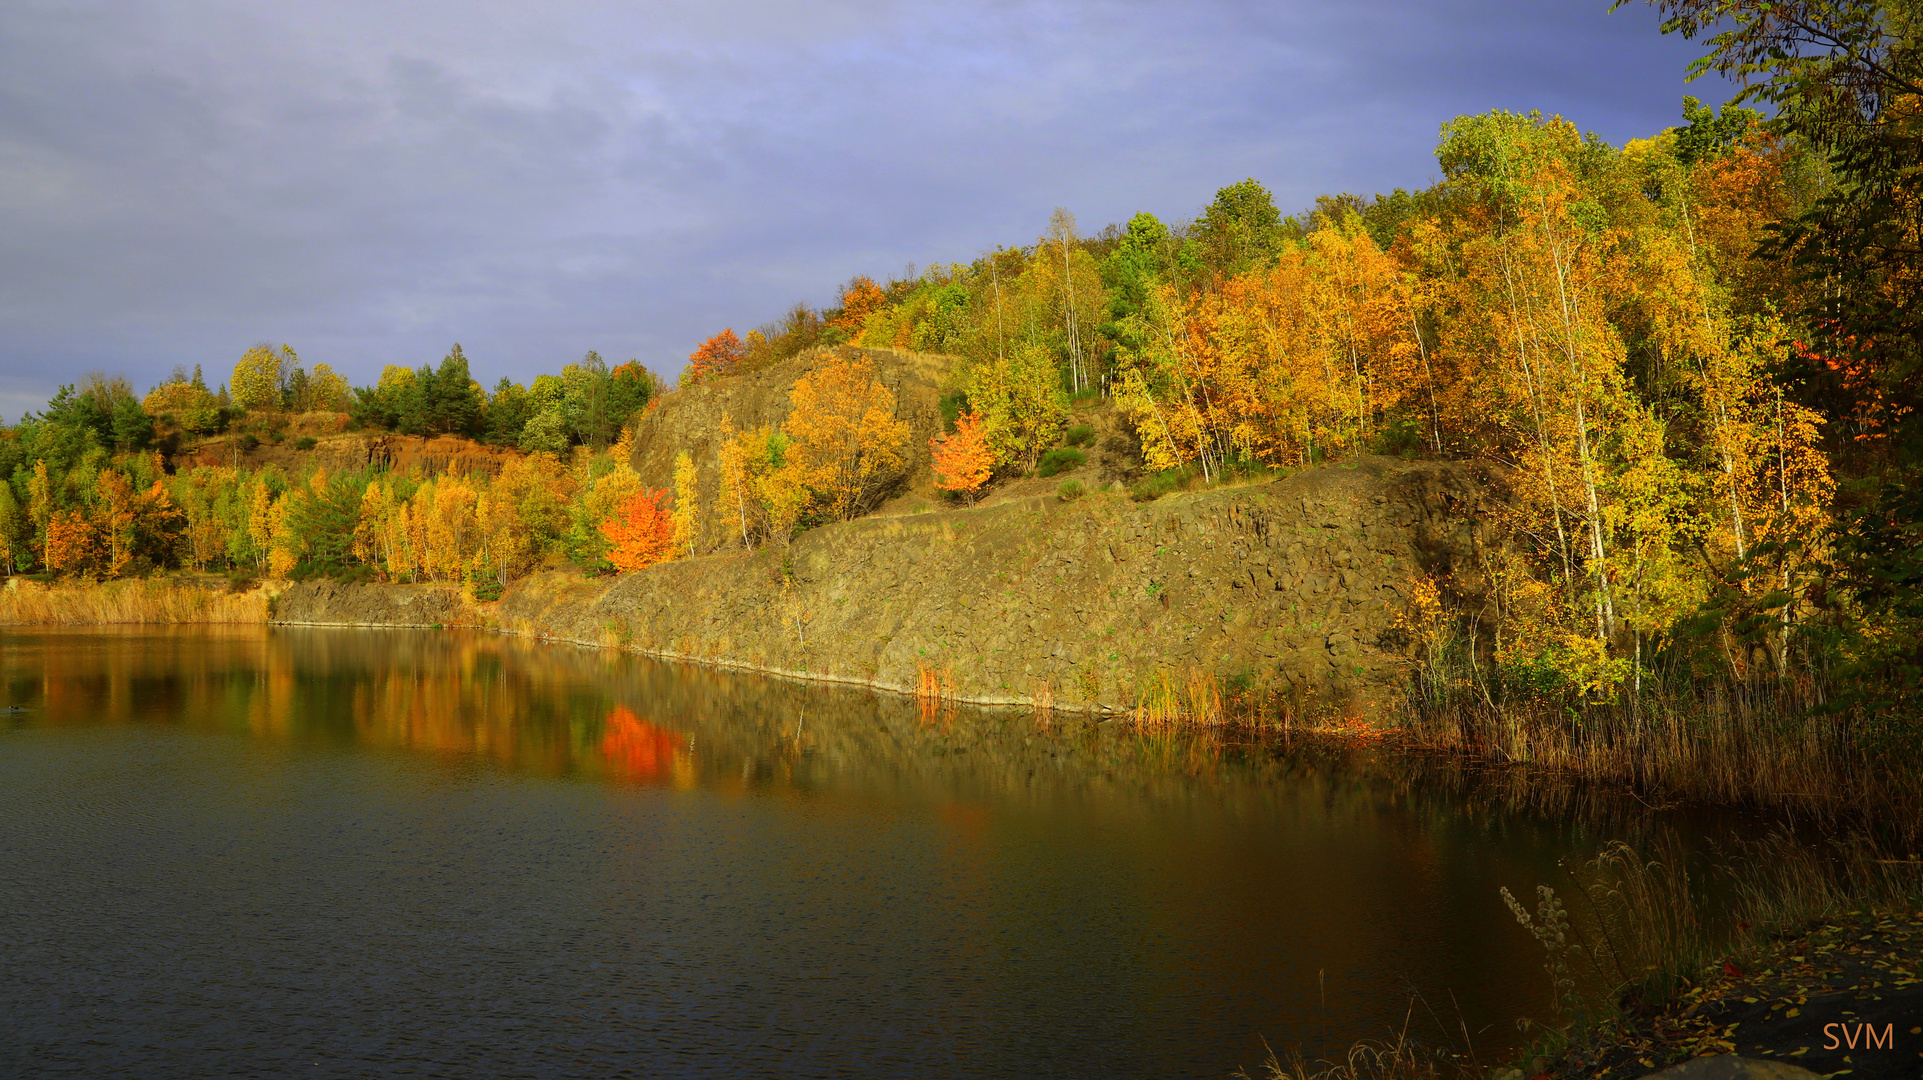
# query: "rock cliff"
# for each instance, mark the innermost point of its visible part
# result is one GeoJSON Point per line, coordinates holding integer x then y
{"type": "Point", "coordinates": [690, 420]}
{"type": "Point", "coordinates": [1297, 584]}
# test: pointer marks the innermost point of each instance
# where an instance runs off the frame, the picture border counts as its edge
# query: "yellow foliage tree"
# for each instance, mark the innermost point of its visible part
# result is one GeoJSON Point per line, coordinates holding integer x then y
{"type": "Point", "coordinates": [1021, 397]}
{"type": "Point", "coordinates": [326, 389]}
{"type": "Point", "coordinates": [261, 375]}
{"type": "Point", "coordinates": [687, 502]}
{"type": "Point", "coordinates": [847, 442]}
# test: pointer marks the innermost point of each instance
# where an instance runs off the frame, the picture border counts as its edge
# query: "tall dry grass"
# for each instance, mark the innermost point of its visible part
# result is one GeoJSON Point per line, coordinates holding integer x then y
{"type": "Point", "coordinates": [936, 691]}
{"type": "Point", "coordinates": [156, 602]}
{"type": "Point", "coordinates": [1396, 1058]}
{"type": "Point", "coordinates": [1720, 743]}
{"type": "Point", "coordinates": [1193, 696]}
{"type": "Point", "coordinates": [1043, 702]}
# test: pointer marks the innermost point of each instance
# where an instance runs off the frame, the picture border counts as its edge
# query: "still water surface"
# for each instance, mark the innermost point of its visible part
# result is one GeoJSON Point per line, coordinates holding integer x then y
{"type": "Point", "coordinates": [299, 852]}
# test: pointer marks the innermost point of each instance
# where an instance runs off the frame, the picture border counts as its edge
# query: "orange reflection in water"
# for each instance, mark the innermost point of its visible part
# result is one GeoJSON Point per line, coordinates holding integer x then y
{"type": "Point", "coordinates": [633, 747]}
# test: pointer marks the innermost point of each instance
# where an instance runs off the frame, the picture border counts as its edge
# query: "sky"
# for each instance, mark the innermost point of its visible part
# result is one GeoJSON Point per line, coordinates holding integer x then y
{"type": "Point", "coordinates": [370, 181]}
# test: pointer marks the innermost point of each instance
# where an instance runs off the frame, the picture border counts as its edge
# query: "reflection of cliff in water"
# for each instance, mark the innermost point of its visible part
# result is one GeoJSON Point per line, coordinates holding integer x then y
{"type": "Point", "coordinates": [561, 710]}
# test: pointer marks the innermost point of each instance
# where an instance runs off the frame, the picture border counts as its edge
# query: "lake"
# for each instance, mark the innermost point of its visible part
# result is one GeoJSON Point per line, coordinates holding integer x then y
{"type": "Point", "coordinates": [306, 852]}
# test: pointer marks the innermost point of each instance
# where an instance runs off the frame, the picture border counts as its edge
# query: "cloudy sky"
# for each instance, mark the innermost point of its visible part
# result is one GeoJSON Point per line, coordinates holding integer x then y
{"type": "Point", "coordinates": [371, 180]}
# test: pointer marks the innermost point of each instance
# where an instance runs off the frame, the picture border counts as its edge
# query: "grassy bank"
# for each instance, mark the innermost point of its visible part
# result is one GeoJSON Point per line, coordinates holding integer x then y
{"type": "Point", "coordinates": [136, 602]}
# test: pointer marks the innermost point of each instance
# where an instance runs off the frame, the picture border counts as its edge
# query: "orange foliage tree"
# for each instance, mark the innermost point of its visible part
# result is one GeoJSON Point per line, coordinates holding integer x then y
{"type": "Point", "coordinates": [717, 356]}
{"type": "Point", "coordinates": [73, 545]}
{"type": "Point", "coordinates": [963, 460]}
{"type": "Point", "coordinates": [860, 299]}
{"type": "Point", "coordinates": [640, 532]}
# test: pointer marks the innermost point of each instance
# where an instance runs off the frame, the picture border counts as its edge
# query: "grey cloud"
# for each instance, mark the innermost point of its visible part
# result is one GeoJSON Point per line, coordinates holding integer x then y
{"type": "Point", "coordinates": [371, 183]}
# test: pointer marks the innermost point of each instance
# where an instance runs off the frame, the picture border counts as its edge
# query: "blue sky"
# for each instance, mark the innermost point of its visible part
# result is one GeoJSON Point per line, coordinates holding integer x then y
{"type": "Point", "coordinates": [371, 181]}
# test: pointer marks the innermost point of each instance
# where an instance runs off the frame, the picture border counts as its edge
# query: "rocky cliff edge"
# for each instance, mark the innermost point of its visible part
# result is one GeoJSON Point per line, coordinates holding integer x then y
{"type": "Point", "coordinates": [1299, 586]}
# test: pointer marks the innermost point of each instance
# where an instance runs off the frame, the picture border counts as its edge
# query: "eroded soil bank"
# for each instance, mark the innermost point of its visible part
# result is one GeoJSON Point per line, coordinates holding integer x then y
{"type": "Point", "coordinates": [1300, 585]}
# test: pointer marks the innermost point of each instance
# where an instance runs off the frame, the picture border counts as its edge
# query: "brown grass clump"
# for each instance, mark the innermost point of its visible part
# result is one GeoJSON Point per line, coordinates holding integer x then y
{"type": "Point", "coordinates": [1194, 697]}
{"type": "Point", "coordinates": [132, 602]}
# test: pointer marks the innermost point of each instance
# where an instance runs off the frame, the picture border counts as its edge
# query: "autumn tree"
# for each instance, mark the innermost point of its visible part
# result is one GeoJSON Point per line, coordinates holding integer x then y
{"type": "Point", "coordinates": [860, 298]}
{"type": "Point", "coordinates": [74, 545]}
{"type": "Point", "coordinates": [260, 376]}
{"type": "Point", "coordinates": [1021, 400]}
{"type": "Point", "coordinates": [962, 460]}
{"type": "Point", "coordinates": [640, 532]}
{"type": "Point", "coordinates": [40, 506]}
{"type": "Point", "coordinates": [715, 357]}
{"type": "Point", "coordinates": [687, 503]}
{"type": "Point", "coordinates": [601, 483]}
{"type": "Point", "coordinates": [14, 531]}
{"type": "Point", "coordinates": [848, 443]}
{"type": "Point", "coordinates": [762, 493]}
{"type": "Point", "coordinates": [326, 389]}
{"type": "Point", "coordinates": [186, 398]}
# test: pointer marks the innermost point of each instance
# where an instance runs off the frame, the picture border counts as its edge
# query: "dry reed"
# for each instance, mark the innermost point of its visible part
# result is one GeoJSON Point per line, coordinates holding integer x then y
{"type": "Point", "coordinates": [1399, 1058]}
{"type": "Point", "coordinates": [131, 602]}
{"type": "Point", "coordinates": [936, 691]}
{"type": "Point", "coordinates": [1044, 702]}
{"type": "Point", "coordinates": [1165, 699]}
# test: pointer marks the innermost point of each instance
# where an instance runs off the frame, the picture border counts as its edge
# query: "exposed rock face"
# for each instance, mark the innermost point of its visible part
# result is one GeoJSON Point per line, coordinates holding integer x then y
{"type": "Point", "coordinates": [1294, 584]}
{"type": "Point", "coordinates": [690, 419]}
{"type": "Point", "coordinates": [333, 603]}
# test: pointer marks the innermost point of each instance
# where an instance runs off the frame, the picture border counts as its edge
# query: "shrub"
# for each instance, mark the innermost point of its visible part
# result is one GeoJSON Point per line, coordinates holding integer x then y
{"type": "Point", "coordinates": [249, 443]}
{"type": "Point", "coordinates": [275, 437]}
{"type": "Point", "coordinates": [1080, 435]}
{"type": "Point", "coordinates": [1072, 490]}
{"type": "Point", "coordinates": [1403, 438]}
{"type": "Point", "coordinates": [953, 405]}
{"type": "Point", "coordinates": [488, 590]}
{"type": "Point", "coordinates": [306, 442]}
{"type": "Point", "coordinates": [1157, 484]}
{"type": "Point", "coordinates": [1060, 460]}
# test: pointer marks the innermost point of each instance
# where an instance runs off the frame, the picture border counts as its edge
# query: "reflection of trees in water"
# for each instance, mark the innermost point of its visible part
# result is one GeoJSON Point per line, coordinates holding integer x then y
{"type": "Point", "coordinates": [632, 747]}
{"type": "Point", "coordinates": [552, 709]}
